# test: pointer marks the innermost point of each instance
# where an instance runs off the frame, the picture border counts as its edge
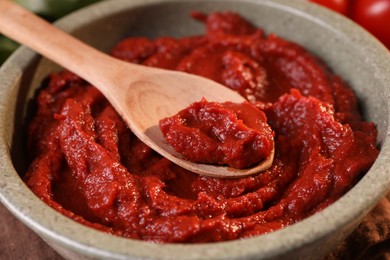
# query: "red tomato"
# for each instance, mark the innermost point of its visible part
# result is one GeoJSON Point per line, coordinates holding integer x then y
{"type": "Point", "coordinates": [340, 6]}
{"type": "Point", "coordinates": [374, 15]}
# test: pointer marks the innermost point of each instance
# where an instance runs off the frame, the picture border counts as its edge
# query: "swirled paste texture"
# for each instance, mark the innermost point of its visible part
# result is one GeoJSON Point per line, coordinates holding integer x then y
{"type": "Point", "coordinates": [89, 166]}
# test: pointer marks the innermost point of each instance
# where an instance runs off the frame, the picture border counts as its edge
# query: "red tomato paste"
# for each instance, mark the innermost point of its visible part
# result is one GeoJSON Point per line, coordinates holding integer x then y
{"type": "Point", "coordinates": [220, 133]}
{"type": "Point", "coordinates": [89, 166]}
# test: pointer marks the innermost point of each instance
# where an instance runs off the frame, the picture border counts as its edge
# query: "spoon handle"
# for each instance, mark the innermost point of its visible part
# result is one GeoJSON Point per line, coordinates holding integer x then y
{"type": "Point", "coordinates": [24, 27]}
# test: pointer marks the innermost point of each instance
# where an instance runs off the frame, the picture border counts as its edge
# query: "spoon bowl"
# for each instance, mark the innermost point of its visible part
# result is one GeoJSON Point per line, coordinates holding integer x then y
{"type": "Point", "coordinates": [141, 95]}
{"type": "Point", "coordinates": [164, 89]}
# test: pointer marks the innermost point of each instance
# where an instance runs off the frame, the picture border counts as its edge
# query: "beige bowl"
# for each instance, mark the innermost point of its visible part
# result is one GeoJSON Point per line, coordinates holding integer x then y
{"type": "Point", "coordinates": [351, 52]}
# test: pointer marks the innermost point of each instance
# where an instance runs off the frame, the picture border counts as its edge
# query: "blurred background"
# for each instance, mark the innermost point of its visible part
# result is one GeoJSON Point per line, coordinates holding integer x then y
{"type": "Point", "coordinates": [51, 10]}
{"type": "Point", "coordinates": [373, 15]}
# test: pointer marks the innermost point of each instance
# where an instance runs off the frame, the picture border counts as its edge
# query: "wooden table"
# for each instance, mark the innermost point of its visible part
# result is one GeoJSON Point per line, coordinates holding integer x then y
{"type": "Point", "coordinates": [18, 242]}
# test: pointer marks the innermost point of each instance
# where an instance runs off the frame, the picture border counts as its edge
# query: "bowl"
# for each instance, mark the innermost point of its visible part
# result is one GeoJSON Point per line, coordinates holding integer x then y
{"type": "Point", "coordinates": [349, 50]}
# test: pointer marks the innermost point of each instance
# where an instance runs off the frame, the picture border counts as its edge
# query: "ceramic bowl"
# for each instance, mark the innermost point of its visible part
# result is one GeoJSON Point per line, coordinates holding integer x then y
{"type": "Point", "coordinates": [350, 51]}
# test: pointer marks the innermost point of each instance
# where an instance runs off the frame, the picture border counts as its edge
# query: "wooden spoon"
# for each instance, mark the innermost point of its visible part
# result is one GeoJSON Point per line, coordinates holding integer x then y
{"type": "Point", "coordinates": [141, 95]}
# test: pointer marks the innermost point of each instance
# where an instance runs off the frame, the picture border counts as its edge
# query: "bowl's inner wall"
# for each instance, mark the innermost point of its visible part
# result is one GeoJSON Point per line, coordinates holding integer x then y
{"type": "Point", "coordinates": [173, 19]}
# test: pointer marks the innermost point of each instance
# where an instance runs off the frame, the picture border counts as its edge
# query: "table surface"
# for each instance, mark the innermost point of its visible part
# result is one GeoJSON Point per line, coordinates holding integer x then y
{"type": "Point", "coordinates": [17, 240]}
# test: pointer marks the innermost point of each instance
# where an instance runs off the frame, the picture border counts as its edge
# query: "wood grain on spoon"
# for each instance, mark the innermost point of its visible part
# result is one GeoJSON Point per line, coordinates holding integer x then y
{"type": "Point", "coordinates": [141, 95]}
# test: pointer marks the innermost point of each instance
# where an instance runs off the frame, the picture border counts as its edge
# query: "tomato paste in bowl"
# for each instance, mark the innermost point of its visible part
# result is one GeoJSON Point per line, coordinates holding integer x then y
{"type": "Point", "coordinates": [84, 161]}
{"type": "Point", "coordinates": [89, 166]}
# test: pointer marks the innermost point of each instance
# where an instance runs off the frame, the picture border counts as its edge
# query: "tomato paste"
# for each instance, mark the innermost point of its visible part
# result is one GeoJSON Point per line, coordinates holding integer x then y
{"type": "Point", "coordinates": [88, 165]}
{"type": "Point", "coordinates": [226, 133]}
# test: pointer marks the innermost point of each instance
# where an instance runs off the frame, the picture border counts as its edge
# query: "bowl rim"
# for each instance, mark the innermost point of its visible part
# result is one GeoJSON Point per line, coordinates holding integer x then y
{"type": "Point", "coordinates": [44, 219]}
